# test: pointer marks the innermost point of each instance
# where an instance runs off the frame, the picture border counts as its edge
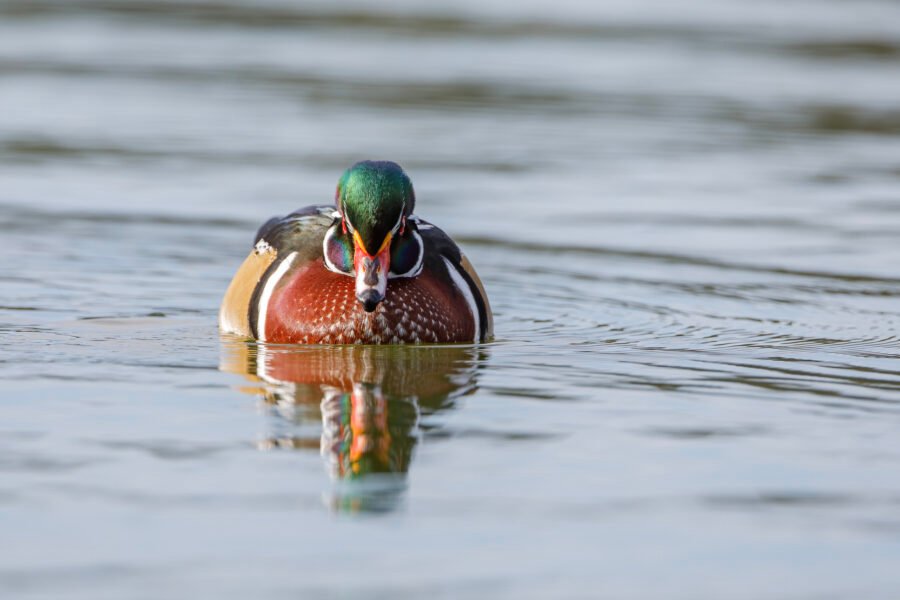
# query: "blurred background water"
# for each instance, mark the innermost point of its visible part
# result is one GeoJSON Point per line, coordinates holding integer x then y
{"type": "Point", "coordinates": [686, 214]}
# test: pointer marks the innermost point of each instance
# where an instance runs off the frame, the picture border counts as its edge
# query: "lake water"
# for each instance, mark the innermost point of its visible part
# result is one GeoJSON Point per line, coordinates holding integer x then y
{"type": "Point", "coordinates": [686, 215]}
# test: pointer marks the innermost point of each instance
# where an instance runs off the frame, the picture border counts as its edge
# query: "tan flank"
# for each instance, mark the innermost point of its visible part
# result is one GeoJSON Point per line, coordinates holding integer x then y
{"type": "Point", "coordinates": [234, 316]}
{"type": "Point", "coordinates": [489, 332]}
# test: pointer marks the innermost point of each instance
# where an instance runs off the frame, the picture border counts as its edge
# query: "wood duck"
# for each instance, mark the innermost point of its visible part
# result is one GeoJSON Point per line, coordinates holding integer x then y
{"type": "Point", "coordinates": [364, 271]}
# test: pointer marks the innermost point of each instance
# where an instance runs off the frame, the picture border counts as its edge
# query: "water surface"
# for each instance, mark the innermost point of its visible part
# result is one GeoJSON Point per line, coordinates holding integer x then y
{"type": "Point", "coordinates": [687, 216]}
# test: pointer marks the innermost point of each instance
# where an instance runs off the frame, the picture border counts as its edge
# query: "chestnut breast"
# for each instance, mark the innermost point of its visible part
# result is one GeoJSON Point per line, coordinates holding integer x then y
{"type": "Point", "coordinates": [312, 305]}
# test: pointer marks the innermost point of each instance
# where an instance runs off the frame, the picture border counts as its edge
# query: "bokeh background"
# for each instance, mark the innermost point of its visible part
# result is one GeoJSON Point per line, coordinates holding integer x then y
{"type": "Point", "coordinates": [687, 217]}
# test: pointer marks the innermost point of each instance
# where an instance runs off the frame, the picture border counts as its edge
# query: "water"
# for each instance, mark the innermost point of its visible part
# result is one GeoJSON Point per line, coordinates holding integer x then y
{"type": "Point", "coordinates": [687, 216]}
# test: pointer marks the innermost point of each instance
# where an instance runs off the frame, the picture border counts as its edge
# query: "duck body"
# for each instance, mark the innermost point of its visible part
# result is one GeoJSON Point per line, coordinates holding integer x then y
{"type": "Point", "coordinates": [310, 279]}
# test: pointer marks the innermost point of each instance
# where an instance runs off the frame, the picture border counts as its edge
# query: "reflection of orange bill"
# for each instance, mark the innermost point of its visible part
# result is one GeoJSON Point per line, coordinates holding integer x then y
{"type": "Point", "coordinates": [369, 426]}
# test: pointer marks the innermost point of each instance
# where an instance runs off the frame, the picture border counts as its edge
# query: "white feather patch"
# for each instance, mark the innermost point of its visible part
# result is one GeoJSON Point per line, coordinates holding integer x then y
{"type": "Point", "coordinates": [266, 295]}
{"type": "Point", "coordinates": [420, 223]}
{"type": "Point", "coordinates": [466, 291]}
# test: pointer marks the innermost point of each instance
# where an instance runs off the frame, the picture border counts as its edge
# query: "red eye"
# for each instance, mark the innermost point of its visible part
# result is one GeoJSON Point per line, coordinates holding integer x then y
{"type": "Point", "coordinates": [344, 226]}
{"type": "Point", "coordinates": [402, 225]}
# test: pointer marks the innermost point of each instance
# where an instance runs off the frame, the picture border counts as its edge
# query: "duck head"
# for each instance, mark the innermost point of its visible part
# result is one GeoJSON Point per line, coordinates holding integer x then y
{"type": "Point", "coordinates": [374, 199]}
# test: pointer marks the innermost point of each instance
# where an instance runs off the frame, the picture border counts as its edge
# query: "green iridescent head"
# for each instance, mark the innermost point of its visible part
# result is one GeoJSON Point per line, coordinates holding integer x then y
{"type": "Point", "coordinates": [374, 197]}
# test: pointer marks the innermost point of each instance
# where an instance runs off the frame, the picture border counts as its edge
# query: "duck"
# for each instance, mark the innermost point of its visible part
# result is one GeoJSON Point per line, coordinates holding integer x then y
{"type": "Point", "coordinates": [365, 270]}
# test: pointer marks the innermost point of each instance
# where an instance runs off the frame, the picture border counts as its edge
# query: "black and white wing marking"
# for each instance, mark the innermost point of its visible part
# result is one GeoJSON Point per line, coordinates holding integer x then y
{"type": "Point", "coordinates": [296, 238]}
{"type": "Point", "coordinates": [442, 255]}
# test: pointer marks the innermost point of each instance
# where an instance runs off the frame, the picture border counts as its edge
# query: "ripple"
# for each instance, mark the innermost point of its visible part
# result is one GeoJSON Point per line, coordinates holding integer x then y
{"type": "Point", "coordinates": [169, 449]}
{"type": "Point", "coordinates": [686, 224]}
{"type": "Point", "coordinates": [876, 48]}
{"type": "Point", "coordinates": [673, 258]}
{"type": "Point", "coordinates": [38, 463]}
{"type": "Point", "coordinates": [36, 149]}
{"type": "Point", "coordinates": [785, 499]}
{"type": "Point", "coordinates": [698, 433]}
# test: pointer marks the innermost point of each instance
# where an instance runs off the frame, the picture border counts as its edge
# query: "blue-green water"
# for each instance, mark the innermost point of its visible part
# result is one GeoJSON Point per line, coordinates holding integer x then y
{"type": "Point", "coordinates": [687, 216]}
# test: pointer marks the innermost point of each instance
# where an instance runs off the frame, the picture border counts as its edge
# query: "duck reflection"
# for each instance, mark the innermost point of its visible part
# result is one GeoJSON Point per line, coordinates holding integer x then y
{"type": "Point", "coordinates": [370, 400]}
{"type": "Point", "coordinates": [364, 433]}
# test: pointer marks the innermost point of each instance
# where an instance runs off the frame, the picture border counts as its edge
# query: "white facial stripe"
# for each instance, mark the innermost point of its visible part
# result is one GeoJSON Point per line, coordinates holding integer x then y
{"type": "Point", "coordinates": [399, 220]}
{"type": "Point", "coordinates": [466, 291]}
{"type": "Point", "coordinates": [328, 264]}
{"type": "Point", "coordinates": [346, 220]}
{"type": "Point", "coordinates": [267, 294]}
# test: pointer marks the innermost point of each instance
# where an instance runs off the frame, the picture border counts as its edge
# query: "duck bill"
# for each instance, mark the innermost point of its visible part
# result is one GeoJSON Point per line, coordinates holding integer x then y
{"type": "Point", "coordinates": [371, 273]}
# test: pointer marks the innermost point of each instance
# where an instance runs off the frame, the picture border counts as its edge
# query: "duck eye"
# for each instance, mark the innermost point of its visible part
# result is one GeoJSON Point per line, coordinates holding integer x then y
{"type": "Point", "coordinates": [406, 254]}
